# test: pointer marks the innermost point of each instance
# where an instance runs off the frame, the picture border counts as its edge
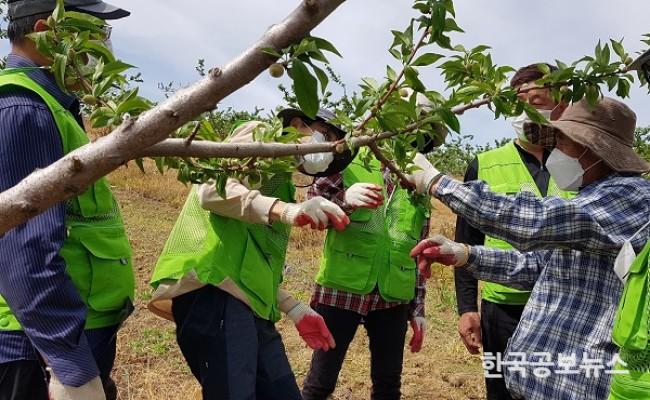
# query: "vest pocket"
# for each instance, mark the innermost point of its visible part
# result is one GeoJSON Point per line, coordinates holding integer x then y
{"type": "Point", "coordinates": [111, 273]}
{"type": "Point", "coordinates": [256, 275]}
{"type": "Point", "coordinates": [401, 277]}
{"type": "Point", "coordinates": [349, 263]}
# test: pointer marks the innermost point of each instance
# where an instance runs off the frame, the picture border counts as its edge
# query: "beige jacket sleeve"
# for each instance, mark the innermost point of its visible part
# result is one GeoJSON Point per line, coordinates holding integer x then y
{"type": "Point", "coordinates": [241, 202]}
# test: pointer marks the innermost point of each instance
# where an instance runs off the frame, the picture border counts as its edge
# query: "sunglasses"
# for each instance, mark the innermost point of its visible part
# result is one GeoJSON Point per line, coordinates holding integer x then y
{"type": "Point", "coordinates": [107, 29]}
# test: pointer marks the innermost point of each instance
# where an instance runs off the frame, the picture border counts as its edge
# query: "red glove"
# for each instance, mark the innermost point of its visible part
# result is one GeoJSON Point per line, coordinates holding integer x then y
{"type": "Point", "coordinates": [419, 326]}
{"type": "Point", "coordinates": [311, 327]}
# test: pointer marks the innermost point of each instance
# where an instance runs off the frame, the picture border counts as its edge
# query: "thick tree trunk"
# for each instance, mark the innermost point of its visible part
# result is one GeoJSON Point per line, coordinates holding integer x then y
{"type": "Point", "coordinates": [74, 173]}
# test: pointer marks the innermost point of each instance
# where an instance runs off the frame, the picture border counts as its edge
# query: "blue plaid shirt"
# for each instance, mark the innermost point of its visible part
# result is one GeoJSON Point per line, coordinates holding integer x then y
{"type": "Point", "coordinates": [33, 278]}
{"type": "Point", "coordinates": [566, 252]}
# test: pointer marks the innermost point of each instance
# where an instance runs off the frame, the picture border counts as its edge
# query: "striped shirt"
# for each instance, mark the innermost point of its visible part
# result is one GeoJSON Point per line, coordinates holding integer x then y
{"type": "Point", "coordinates": [566, 252]}
{"type": "Point", "coordinates": [33, 279]}
{"type": "Point", "coordinates": [332, 188]}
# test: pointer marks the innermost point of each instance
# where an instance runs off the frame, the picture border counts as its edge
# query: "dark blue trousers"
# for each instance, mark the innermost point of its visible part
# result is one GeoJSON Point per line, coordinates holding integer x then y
{"type": "Point", "coordinates": [233, 354]}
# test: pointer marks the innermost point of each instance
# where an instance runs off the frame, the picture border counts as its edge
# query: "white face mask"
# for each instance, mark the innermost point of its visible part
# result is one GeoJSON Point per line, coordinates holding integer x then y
{"type": "Point", "coordinates": [519, 121]}
{"type": "Point", "coordinates": [317, 162]}
{"type": "Point", "coordinates": [566, 170]}
{"type": "Point", "coordinates": [626, 256]}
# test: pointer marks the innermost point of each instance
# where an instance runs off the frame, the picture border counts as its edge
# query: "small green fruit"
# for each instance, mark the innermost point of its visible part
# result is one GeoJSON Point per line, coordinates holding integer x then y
{"type": "Point", "coordinates": [276, 70]}
{"type": "Point", "coordinates": [403, 92]}
{"type": "Point", "coordinates": [89, 99]}
{"type": "Point", "coordinates": [629, 60]}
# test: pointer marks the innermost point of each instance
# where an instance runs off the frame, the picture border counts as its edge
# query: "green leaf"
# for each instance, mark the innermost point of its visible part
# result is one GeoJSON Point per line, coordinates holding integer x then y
{"type": "Point", "coordinates": [322, 78]}
{"type": "Point", "coordinates": [59, 11]}
{"type": "Point", "coordinates": [100, 117]}
{"type": "Point", "coordinates": [305, 88]}
{"type": "Point", "coordinates": [451, 25]}
{"type": "Point", "coordinates": [618, 49]}
{"type": "Point", "coordinates": [450, 119]}
{"type": "Point", "coordinates": [98, 49]}
{"type": "Point", "coordinates": [413, 81]}
{"type": "Point", "coordinates": [272, 52]}
{"type": "Point", "coordinates": [133, 106]}
{"type": "Point", "coordinates": [116, 67]}
{"type": "Point", "coordinates": [325, 45]}
{"type": "Point", "coordinates": [623, 89]}
{"type": "Point", "coordinates": [426, 59]}
{"type": "Point", "coordinates": [544, 68]}
{"type": "Point", "coordinates": [58, 69]}
{"type": "Point", "coordinates": [592, 95]}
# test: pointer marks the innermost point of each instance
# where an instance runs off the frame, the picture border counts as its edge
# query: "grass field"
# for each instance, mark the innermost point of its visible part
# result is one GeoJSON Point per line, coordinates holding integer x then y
{"type": "Point", "coordinates": [150, 366]}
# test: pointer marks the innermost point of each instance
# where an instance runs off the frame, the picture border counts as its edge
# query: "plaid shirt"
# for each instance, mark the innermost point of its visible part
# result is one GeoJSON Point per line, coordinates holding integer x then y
{"type": "Point", "coordinates": [566, 255]}
{"type": "Point", "coordinates": [332, 189]}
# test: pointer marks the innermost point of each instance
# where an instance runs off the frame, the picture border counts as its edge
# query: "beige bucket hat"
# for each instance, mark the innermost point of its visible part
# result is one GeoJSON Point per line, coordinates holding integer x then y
{"type": "Point", "coordinates": [607, 129]}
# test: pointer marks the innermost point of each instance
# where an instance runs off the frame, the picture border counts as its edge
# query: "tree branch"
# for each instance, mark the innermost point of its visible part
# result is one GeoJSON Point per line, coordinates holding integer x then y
{"type": "Point", "coordinates": [64, 179]}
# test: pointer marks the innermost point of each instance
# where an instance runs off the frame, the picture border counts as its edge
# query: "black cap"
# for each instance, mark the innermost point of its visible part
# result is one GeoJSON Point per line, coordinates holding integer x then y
{"type": "Point", "coordinates": [96, 8]}
{"type": "Point", "coordinates": [341, 160]}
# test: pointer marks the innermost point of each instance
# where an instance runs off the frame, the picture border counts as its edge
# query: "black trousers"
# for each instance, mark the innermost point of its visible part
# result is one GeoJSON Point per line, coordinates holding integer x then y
{"type": "Point", "coordinates": [233, 354]}
{"type": "Point", "coordinates": [386, 332]}
{"type": "Point", "coordinates": [498, 323]}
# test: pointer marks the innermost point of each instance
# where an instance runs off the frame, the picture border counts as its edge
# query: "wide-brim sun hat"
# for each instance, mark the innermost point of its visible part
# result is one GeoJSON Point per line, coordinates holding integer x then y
{"type": "Point", "coordinates": [607, 129]}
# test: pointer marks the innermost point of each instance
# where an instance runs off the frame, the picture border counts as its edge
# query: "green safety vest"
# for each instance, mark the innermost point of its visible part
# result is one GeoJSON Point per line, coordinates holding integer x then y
{"type": "Point", "coordinates": [374, 249]}
{"type": "Point", "coordinates": [96, 249]}
{"type": "Point", "coordinates": [632, 333]}
{"type": "Point", "coordinates": [217, 248]}
{"type": "Point", "coordinates": [505, 172]}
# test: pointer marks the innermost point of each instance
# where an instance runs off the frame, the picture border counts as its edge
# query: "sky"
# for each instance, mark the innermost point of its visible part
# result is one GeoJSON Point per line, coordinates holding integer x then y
{"type": "Point", "coordinates": [165, 38]}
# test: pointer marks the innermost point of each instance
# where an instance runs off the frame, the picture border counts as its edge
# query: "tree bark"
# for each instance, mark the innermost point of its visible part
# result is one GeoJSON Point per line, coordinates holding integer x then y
{"type": "Point", "coordinates": [72, 174]}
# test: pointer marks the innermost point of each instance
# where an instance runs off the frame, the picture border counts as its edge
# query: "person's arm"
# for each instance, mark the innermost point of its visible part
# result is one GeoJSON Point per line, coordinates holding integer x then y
{"type": "Point", "coordinates": [509, 267]}
{"type": "Point", "coordinates": [309, 323]}
{"type": "Point", "coordinates": [465, 283]}
{"type": "Point", "coordinates": [240, 202]}
{"type": "Point", "coordinates": [33, 280]}
{"type": "Point", "coordinates": [531, 223]}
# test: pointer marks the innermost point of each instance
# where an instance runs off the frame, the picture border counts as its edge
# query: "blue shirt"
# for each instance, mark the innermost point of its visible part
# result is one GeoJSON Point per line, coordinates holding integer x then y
{"type": "Point", "coordinates": [32, 277]}
{"type": "Point", "coordinates": [565, 254]}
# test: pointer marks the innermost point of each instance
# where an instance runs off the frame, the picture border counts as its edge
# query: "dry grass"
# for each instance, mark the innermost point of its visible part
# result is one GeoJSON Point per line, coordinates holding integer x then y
{"type": "Point", "coordinates": [149, 364]}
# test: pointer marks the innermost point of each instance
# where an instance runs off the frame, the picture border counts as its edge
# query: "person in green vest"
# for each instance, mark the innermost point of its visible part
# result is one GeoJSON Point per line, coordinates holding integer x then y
{"type": "Point", "coordinates": [632, 324]}
{"type": "Point", "coordinates": [220, 272]}
{"type": "Point", "coordinates": [515, 167]}
{"type": "Point", "coordinates": [367, 276]}
{"type": "Point", "coordinates": [67, 282]}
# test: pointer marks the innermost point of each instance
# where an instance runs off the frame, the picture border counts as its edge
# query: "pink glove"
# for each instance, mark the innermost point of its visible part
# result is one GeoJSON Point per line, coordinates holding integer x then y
{"type": "Point", "coordinates": [419, 326]}
{"type": "Point", "coordinates": [311, 327]}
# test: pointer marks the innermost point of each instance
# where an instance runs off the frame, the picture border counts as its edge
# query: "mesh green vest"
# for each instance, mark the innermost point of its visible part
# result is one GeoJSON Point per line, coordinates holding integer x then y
{"type": "Point", "coordinates": [632, 332]}
{"type": "Point", "coordinates": [505, 172]}
{"type": "Point", "coordinates": [96, 250]}
{"type": "Point", "coordinates": [374, 248]}
{"type": "Point", "coordinates": [216, 248]}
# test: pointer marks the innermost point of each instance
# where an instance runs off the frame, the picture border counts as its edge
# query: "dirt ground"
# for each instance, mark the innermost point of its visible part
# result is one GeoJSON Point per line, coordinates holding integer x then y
{"type": "Point", "coordinates": [150, 366]}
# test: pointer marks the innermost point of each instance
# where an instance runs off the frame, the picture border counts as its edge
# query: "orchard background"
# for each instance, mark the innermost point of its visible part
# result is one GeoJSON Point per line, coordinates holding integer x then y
{"type": "Point", "coordinates": [149, 365]}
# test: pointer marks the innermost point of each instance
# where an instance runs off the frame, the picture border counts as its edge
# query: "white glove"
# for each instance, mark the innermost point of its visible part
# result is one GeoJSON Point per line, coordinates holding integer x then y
{"type": "Point", "coordinates": [364, 195]}
{"type": "Point", "coordinates": [440, 250]}
{"type": "Point", "coordinates": [92, 390]}
{"type": "Point", "coordinates": [426, 176]}
{"type": "Point", "coordinates": [317, 212]}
